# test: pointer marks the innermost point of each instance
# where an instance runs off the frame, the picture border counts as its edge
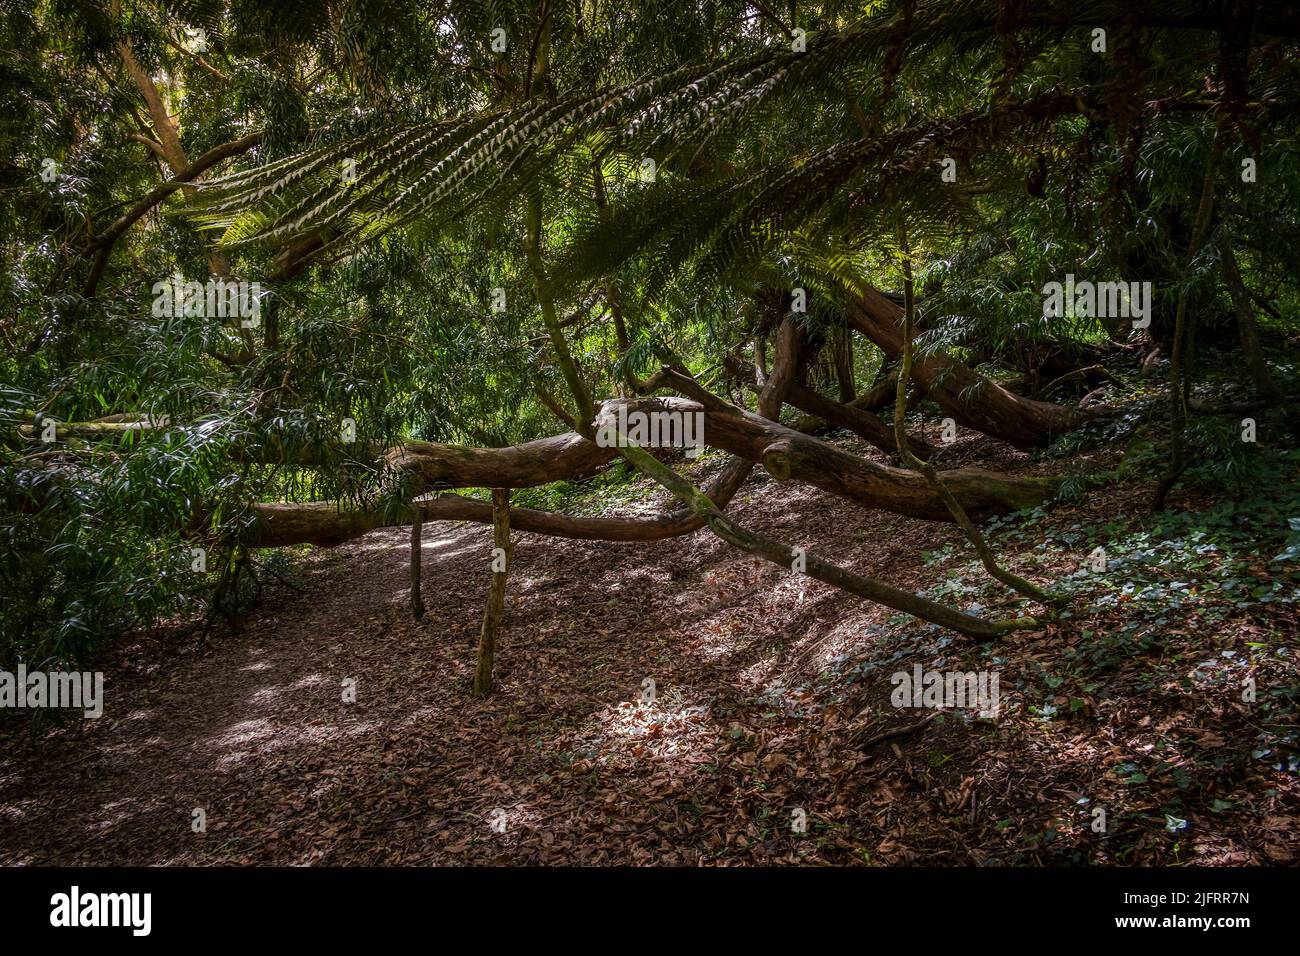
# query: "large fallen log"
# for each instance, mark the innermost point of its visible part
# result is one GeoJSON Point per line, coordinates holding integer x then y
{"type": "Point", "coordinates": [324, 523]}
{"type": "Point", "coordinates": [750, 438]}
{"type": "Point", "coordinates": [861, 422]}
{"type": "Point", "coordinates": [783, 452]}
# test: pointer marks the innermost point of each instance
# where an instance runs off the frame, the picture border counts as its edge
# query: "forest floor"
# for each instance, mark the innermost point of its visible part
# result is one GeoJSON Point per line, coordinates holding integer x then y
{"type": "Point", "coordinates": [768, 690]}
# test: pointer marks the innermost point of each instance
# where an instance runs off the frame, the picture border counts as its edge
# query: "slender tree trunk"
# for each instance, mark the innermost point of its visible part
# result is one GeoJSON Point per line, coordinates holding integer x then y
{"type": "Point", "coordinates": [169, 142]}
{"type": "Point", "coordinates": [823, 412]}
{"type": "Point", "coordinates": [168, 136]}
{"type": "Point", "coordinates": [572, 376]}
{"type": "Point", "coordinates": [881, 391]}
{"type": "Point", "coordinates": [627, 381]}
{"type": "Point", "coordinates": [546, 398]}
{"type": "Point", "coordinates": [487, 640]}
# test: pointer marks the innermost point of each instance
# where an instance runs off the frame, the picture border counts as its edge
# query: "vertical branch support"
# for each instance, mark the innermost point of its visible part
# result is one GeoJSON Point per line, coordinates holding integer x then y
{"type": "Point", "coordinates": [417, 528]}
{"type": "Point", "coordinates": [501, 556]}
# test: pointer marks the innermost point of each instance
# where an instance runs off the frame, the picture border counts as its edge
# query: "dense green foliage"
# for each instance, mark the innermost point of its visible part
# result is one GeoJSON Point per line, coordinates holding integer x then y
{"type": "Point", "coordinates": [407, 157]}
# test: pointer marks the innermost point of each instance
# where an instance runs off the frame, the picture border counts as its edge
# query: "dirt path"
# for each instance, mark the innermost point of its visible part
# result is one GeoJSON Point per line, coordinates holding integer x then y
{"type": "Point", "coordinates": [759, 694]}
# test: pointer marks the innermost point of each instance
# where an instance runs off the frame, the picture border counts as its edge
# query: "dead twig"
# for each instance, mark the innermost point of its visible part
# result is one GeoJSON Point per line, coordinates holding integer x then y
{"type": "Point", "coordinates": [891, 733]}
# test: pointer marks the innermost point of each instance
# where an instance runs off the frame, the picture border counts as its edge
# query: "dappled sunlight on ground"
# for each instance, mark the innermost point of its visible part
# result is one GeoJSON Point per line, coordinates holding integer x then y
{"type": "Point", "coordinates": [767, 691]}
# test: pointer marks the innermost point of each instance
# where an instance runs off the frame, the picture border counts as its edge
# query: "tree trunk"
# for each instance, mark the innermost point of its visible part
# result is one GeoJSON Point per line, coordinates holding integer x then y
{"type": "Point", "coordinates": [786, 453]}
{"type": "Point", "coordinates": [1178, 377]}
{"type": "Point", "coordinates": [823, 412]}
{"type": "Point", "coordinates": [169, 139]}
{"type": "Point", "coordinates": [842, 352]}
{"type": "Point", "coordinates": [567, 457]}
{"type": "Point", "coordinates": [783, 452]}
{"type": "Point", "coordinates": [879, 394]}
{"type": "Point", "coordinates": [857, 420]}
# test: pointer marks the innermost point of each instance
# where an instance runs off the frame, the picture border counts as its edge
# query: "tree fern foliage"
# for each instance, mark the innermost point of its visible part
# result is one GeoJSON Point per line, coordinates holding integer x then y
{"type": "Point", "coordinates": [750, 150]}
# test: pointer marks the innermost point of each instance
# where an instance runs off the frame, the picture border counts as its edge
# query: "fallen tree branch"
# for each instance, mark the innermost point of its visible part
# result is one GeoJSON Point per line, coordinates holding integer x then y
{"type": "Point", "coordinates": [970, 398]}
{"type": "Point", "coordinates": [797, 559]}
{"type": "Point", "coordinates": [855, 415]}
